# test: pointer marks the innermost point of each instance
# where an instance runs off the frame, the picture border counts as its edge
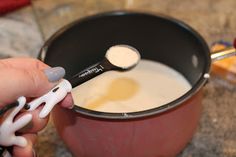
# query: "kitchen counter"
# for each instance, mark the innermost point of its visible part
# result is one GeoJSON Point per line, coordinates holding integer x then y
{"type": "Point", "coordinates": [22, 34]}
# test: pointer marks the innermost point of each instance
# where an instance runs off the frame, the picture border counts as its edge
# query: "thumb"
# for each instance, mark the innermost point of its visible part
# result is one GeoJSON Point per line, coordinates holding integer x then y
{"type": "Point", "coordinates": [27, 82]}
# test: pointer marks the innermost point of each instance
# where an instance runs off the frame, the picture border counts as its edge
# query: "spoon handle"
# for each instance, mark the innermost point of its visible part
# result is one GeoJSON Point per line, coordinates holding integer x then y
{"type": "Point", "coordinates": [90, 73]}
{"type": "Point", "coordinates": [4, 151]}
{"type": "Point", "coordinates": [8, 107]}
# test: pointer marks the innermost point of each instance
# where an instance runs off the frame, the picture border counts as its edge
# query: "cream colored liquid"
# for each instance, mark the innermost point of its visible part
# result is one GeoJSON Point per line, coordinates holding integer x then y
{"type": "Point", "coordinates": [149, 85]}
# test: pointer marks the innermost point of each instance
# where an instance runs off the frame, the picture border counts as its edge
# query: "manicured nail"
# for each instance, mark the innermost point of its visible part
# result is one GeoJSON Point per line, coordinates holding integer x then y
{"type": "Point", "coordinates": [54, 74]}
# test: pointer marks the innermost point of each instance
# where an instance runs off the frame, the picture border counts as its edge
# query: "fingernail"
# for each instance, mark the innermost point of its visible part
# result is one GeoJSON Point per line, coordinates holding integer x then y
{"type": "Point", "coordinates": [54, 74]}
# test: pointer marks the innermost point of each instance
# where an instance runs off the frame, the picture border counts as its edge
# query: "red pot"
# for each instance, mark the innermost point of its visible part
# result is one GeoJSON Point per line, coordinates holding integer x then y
{"type": "Point", "coordinates": [164, 134]}
{"type": "Point", "coordinates": [162, 131]}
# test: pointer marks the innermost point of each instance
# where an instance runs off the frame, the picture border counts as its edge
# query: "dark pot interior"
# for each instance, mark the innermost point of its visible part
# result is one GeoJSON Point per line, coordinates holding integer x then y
{"type": "Point", "coordinates": [157, 37]}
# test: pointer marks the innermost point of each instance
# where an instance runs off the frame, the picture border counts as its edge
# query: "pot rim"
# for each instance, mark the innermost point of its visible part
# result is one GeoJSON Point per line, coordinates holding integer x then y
{"type": "Point", "coordinates": [150, 112]}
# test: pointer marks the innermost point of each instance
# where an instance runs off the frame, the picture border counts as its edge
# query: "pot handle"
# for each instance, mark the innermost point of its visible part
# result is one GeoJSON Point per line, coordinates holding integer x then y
{"type": "Point", "coordinates": [218, 55]}
{"type": "Point", "coordinates": [225, 53]}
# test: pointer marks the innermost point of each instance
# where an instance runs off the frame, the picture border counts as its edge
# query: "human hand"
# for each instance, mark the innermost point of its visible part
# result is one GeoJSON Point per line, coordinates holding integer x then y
{"type": "Point", "coordinates": [30, 78]}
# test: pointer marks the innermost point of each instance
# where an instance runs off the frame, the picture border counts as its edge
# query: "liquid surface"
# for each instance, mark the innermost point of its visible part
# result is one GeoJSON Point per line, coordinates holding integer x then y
{"type": "Point", "coordinates": [149, 85]}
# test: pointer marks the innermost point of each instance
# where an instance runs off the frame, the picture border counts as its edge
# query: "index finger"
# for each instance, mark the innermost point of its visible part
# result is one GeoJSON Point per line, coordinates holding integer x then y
{"type": "Point", "coordinates": [23, 63]}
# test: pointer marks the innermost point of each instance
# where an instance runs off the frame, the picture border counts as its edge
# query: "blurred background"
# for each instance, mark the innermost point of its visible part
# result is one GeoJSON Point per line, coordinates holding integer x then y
{"type": "Point", "coordinates": [25, 25]}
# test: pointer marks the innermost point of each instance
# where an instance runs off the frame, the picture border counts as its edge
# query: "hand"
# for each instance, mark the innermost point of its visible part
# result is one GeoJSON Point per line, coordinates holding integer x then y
{"type": "Point", "coordinates": [30, 78]}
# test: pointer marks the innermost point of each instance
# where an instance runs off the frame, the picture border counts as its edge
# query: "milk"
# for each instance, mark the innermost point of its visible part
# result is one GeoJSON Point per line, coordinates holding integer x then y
{"type": "Point", "coordinates": [149, 85]}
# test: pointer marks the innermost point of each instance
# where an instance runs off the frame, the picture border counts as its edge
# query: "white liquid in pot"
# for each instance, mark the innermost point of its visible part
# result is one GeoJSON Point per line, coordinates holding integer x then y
{"type": "Point", "coordinates": [150, 84]}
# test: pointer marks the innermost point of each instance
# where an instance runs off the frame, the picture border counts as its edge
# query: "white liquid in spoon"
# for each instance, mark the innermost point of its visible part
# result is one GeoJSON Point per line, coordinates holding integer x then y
{"type": "Point", "coordinates": [123, 56]}
{"type": "Point", "coordinates": [150, 84]}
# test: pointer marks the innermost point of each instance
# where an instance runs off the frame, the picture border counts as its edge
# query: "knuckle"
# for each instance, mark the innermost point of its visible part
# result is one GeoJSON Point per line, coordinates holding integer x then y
{"type": "Point", "coordinates": [33, 77]}
{"type": "Point", "coordinates": [4, 64]}
{"type": "Point", "coordinates": [38, 64]}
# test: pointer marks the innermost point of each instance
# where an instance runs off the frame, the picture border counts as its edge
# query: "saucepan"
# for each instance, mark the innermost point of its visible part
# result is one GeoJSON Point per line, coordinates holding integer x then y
{"type": "Point", "coordinates": [161, 131]}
